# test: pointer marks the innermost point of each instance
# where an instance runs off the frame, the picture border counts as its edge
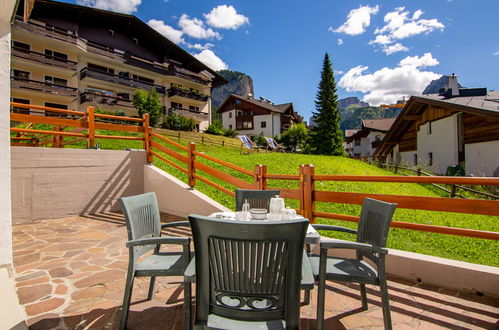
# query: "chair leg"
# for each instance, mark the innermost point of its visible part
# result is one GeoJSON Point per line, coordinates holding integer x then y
{"type": "Point", "coordinates": [151, 287]}
{"type": "Point", "coordinates": [320, 304]}
{"type": "Point", "coordinates": [187, 306]}
{"type": "Point", "coordinates": [363, 296]}
{"type": "Point", "coordinates": [386, 304]}
{"type": "Point", "coordinates": [306, 297]}
{"type": "Point", "coordinates": [126, 300]}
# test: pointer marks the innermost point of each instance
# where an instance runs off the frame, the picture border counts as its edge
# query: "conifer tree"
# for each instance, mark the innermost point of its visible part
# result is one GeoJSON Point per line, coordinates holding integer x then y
{"type": "Point", "coordinates": [326, 137]}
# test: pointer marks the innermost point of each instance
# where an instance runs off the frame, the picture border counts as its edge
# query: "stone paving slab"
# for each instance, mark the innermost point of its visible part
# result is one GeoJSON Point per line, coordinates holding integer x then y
{"type": "Point", "coordinates": [70, 274]}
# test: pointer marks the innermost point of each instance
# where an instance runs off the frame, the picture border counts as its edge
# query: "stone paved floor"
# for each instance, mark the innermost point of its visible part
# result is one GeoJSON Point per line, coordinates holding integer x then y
{"type": "Point", "coordinates": [70, 274]}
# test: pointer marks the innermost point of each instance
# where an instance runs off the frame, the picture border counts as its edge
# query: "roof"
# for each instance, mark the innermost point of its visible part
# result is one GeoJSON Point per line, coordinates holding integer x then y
{"type": "Point", "coordinates": [350, 132]}
{"type": "Point", "coordinates": [280, 108]}
{"type": "Point", "coordinates": [134, 25]}
{"type": "Point", "coordinates": [378, 124]}
{"type": "Point", "coordinates": [486, 106]}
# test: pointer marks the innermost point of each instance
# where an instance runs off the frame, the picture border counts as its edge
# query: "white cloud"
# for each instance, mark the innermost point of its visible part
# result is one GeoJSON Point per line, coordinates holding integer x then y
{"type": "Point", "coordinates": [338, 72]}
{"type": "Point", "coordinates": [400, 25]}
{"type": "Point", "coordinates": [357, 21]}
{"type": "Point", "coordinates": [496, 53]}
{"type": "Point", "coordinates": [209, 58]}
{"type": "Point", "coordinates": [200, 47]}
{"type": "Point", "coordinates": [225, 17]}
{"type": "Point", "coordinates": [195, 28]}
{"type": "Point", "coordinates": [388, 85]}
{"type": "Point", "coordinates": [395, 48]}
{"type": "Point", "coordinates": [340, 41]}
{"type": "Point", "coordinates": [167, 31]}
{"type": "Point", "coordinates": [120, 6]}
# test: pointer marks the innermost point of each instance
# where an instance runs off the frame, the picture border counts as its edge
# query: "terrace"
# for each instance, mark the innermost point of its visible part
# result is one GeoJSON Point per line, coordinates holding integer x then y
{"type": "Point", "coordinates": [70, 271]}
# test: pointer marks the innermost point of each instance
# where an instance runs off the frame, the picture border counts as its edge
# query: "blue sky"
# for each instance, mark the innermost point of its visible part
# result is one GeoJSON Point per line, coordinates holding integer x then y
{"type": "Point", "coordinates": [381, 50]}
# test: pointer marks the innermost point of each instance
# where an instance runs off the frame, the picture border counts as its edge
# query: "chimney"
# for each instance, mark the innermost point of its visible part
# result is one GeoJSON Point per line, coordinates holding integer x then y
{"type": "Point", "coordinates": [268, 101]}
{"type": "Point", "coordinates": [262, 99]}
{"type": "Point", "coordinates": [249, 96]}
{"type": "Point", "coordinates": [452, 85]}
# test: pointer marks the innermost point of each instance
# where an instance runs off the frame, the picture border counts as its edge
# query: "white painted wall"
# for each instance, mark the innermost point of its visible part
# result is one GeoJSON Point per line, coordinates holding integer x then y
{"type": "Point", "coordinates": [6, 10]}
{"type": "Point", "coordinates": [226, 121]}
{"type": "Point", "coordinates": [276, 128]}
{"type": "Point", "coordinates": [442, 142]}
{"type": "Point", "coordinates": [482, 159]}
{"type": "Point", "coordinates": [407, 158]}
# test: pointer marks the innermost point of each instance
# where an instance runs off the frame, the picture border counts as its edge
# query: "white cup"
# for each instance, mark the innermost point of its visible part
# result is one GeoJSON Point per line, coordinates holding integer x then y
{"type": "Point", "coordinates": [242, 216]}
{"type": "Point", "coordinates": [288, 214]}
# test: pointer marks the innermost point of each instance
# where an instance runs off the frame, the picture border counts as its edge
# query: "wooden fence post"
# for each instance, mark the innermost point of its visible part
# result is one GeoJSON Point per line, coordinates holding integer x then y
{"type": "Point", "coordinates": [147, 136]}
{"type": "Point", "coordinates": [307, 187]}
{"type": "Point", "coordinates": [91, 127]}
{"type": "Point", "coordinates": [259, 177]}
{"type": "Point", "coordinates": [419, 171]}
{"type": "Point", "coordinates": [191, 148]}
{"type": "Point", "coordinates": [453, 191]}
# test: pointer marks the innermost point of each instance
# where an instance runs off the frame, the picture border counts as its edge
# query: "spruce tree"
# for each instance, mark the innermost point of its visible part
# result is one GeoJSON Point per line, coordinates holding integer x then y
{"type": "Point", "coordinates": [327, 138]}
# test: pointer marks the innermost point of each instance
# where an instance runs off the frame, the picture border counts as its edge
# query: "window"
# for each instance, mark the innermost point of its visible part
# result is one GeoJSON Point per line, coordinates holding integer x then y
{"type": "Point", "coordinates": [193, 108]}
{"type": "Point", "coordinates": [124, 96]}
{"type": "Point", "coordinates": [230, 115]}
{"type": "Point", "coordinates": [19, 74]}
{"type": "Point", "coordinates": [56, 81]}
{"type": "Point", "coordinates": [263, 124]}
{"type": "Point", "coordinates": [56, 55]}
{"type": "Point", "coordinates": [176, 105]}
{"type": "Point", "coordinates": [428, 128]}
{"type": "Point", "coordinates": [100, 68]}
{"type": "Point", "coordinates": [58, 106]}
{"type": "Point", "coordinates": [430, 159]}
{"type": "Point", "coordinates": [21, 46]}
{"type": "Point", "coordinates": [230, 126]}
{"type": "Point", "coordinates": [237, 101]}
{"type": "Point", "coordinates": [415, 159]}
{"type": "Point", "coordinates": [18, 109]}
{"type": "Point", "coordinates": [245, 125]}
{"type": "Point", "coordinates": [356, 143]}
{"type": "Point", "coordinates": [239, 114]}
{"type": "Point", "coordinates": [143, 79]}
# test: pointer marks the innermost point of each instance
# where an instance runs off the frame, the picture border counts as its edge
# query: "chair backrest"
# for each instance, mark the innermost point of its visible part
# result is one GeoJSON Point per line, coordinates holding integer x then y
{"type": "Point", "coordinates": [249, 271]}
{"type": "Point", "coordinates": [246, 141]}
{"type": "Point", "coordinates": [375, 219]}
{"type": "Point", "coordinates": [256, 198]}
{"type": "Point", "coordinates": [142, 219]}
{"type": "Point", "coordinates": [271, 142]}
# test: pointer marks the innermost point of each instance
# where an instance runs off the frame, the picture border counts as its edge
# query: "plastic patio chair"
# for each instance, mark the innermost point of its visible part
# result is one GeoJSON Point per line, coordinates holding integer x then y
{"type": "Point", "coordinates": [372, 233]}
{"type": "Point", "coordinates": [144, 231]}
{"type": "Point", "coordinates": [248, 274]}
{"type": "Point", "coordinates": [256, 198]}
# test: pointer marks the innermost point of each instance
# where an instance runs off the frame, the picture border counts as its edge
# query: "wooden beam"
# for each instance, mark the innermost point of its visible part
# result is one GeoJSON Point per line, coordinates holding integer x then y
{"type": "Point", "coordinates": [411, 117]}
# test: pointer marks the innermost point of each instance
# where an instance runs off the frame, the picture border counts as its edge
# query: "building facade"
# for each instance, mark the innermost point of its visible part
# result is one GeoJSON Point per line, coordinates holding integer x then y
{"type": "Point", "coordinates": [363, 142]}
{"type": "Point", "coordinates": [249, 116]}
{"type": "Point", "coordinates": [71, 57]}
{"type": "Point", "coordinates": [459, 127]}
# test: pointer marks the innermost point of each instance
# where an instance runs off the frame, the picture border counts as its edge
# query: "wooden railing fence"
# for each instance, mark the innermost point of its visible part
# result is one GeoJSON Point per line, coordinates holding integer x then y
{"type": "Point", "coordinates": [187, 161]}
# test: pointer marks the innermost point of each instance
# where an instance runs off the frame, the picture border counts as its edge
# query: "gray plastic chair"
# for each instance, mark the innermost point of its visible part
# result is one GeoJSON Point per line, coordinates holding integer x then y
{"type": "Point", "coordinates": [248, 275]}
{"type": "Point", "coordinates": [144, 231]}
{"type": "Point", "coordinates": [372, 233]}
{"type": "Point", "coordinates": [256, 198]}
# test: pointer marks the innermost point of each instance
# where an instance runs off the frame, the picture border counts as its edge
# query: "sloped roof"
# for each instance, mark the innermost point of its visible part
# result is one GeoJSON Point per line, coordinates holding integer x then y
{"type": "Point", "coordinates": [280, 108]}
{"type": "Point", "coordinates": [383, 124]}
{"type": "Point", "coordinates": [350, 132]}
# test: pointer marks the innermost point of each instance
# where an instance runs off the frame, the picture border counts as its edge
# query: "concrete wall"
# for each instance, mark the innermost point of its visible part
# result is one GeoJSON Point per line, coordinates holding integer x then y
{"type": "Point", "coordinates": [482, 159]}
{"type": "Point", "coordinates": [53, 183]}
{"type": "Point", "coordinates": [6, 10]}
{"type": "Point", "coordinates": [175, 197]}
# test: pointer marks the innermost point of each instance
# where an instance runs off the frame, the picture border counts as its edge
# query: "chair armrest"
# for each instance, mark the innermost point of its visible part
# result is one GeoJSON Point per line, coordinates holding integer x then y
{"type": "Point", "coordinates": [176, 224]}
{"type": "Point", "coordinates": [307, 275]}
{"type": "Point", "coordinates": [335, 228]}
{"type": "Point", "coordinates": [159, 240]}
{"type": "Point", "coordinates": [190, 271]}
{"type": "Point", "coordinates": [341, 244]}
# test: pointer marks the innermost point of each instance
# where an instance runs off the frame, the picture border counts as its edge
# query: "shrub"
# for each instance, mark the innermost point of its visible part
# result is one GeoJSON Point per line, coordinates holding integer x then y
{"type": "Point", "coordinates": [230, 133]}
{"type": "Point", "coordinates": [148, 102]}
{"type": "Point", "coordinates": [216, 128]}
{"type": "Point", "coordinates": [295, 138]}
{"type": "Point", "coordinates": [260, 140]}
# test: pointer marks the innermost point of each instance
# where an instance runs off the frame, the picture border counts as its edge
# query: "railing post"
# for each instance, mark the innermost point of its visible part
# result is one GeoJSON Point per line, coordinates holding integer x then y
{"type": "Point", "coordinates": [91, 127]}
{"type": "Point", "coordinates": [259, 177]}
{"type": "Point", "coordinates": [453, 191]}
{"type": "Point", "coordinates": [419, 171]}
{"type": "Point", "coordinates": [191, 148]}
{"type": "Point", "coordinates": [147, 136]}
{"type": "Point", "coordinates": [307, 187]}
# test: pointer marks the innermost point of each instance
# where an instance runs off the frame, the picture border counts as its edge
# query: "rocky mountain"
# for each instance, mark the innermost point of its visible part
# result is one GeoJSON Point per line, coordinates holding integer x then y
{"type": "Point", "coordinates": [435, 85]}
{"type": "Point", "coordinates": [238, 83]}
{"type": "Point", "coordinates": [349, 101]}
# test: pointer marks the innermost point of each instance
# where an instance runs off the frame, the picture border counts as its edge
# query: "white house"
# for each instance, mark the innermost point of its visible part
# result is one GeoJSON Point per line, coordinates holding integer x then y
{"type": "Point", "coordinates": [459, 126]}
{"type": "Point", "coordinates": [250, 116]}
{"type": "Point", "coordinates": [363, 142]}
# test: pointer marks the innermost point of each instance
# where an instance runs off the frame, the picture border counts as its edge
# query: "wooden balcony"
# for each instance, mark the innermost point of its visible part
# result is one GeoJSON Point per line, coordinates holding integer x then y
{"type": "Point", "coordinates": [176, 91]}
{"type": "Point", "coordinates": [121, 80]}
{"type": "Point", "coordinates": [43, 30]}
{"type": "Point", "coordinates": [44, 59]}
{"type": "Point", "coordinates": [102, 99]}
{"type": "Point", "coordinates": [376, 144]}
{"type": "Point", "coordinates": [42, 87]}
{"type": "Point", "coordinates": [189, 113]}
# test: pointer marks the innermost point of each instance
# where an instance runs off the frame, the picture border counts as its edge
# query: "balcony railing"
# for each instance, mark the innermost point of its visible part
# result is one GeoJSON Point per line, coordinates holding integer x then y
{"type": "Point", "coordinates": [121, 80]}
{"type": "Point", "coordinates": [43, 87]}
{"type": "Point", "coordinates": [43, 58]}
{"type": "Point", "coordinates": [189, 113]}
{"type": "Point", "coordinates": [105, 100]}
{"type": "Point", "coordinates": [176, 91]}
{"type": "Point", "coordinates": [47, 31]}
{"type": "Point", "coordinates": [376, 144]}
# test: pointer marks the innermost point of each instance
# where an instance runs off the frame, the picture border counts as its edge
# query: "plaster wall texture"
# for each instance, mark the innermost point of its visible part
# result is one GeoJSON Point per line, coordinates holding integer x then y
{"type": "Point", "coordinates": [175, 197]}
{"type": "Point", "coordinates": [53, 183]}
{"type": "Point", "coordinates": [407, 158]}
{"type": "Point", "coordinates": [276, 125]}
{"type": "Point", "coordinates": [226, 121]}
{"type": "Point", "coordinates": [6, 10]}
{"type": "Point", "coordinates": [482, 159]}
{"type": "Point", "coordinates": [442, 143]}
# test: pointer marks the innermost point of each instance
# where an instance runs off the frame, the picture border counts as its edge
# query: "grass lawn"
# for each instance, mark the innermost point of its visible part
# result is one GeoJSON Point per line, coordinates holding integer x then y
{"type": "Point", "coordinates": [447, 246]}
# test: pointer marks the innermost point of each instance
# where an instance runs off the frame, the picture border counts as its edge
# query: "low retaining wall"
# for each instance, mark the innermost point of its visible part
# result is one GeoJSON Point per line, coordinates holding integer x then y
{"type": "Point", "coordinates": [54, 183]}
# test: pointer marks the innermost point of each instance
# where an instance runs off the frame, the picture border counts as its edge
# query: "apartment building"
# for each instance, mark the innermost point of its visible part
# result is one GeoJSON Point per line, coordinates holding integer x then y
{"type": "Point", "coordinates": [71, 57]}
{"type": "Point", "coordinates": [363, 142]}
